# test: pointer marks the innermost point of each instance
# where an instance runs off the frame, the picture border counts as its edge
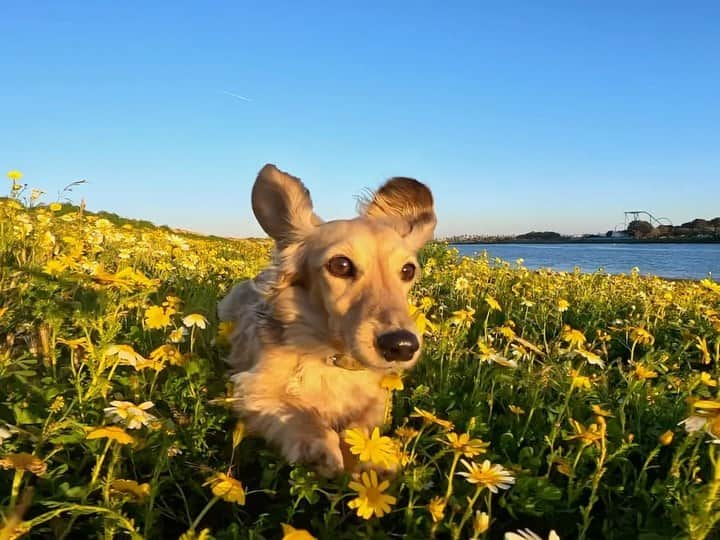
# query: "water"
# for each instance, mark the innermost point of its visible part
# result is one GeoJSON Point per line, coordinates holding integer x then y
{"type": "Point", "coordinates": [695, 261]}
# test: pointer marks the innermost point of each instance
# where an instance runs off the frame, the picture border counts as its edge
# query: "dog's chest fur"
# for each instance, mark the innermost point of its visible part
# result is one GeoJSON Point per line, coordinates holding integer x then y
{"type": "Point", "coordinates": [342, 397]}
{"type": "Point", "coordinates": [339, 397]}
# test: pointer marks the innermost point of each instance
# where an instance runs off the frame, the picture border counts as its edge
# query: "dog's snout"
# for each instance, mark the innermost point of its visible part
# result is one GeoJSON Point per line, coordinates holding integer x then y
{"type": "Point", "coordinates": [398, 345]}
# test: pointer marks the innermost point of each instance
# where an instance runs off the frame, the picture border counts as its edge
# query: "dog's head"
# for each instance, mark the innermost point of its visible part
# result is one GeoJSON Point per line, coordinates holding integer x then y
{"type": "Point", "coordinates": [345, 283]}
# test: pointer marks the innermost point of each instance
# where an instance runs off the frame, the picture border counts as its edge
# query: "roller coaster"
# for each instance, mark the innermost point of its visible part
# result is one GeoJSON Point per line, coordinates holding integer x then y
{"type": "Point", "coordinates": [637, 215]}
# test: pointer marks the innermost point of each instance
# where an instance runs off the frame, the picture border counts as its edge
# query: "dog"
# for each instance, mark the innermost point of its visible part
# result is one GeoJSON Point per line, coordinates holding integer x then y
{"type": "Point", "coordinates": [316, 331]}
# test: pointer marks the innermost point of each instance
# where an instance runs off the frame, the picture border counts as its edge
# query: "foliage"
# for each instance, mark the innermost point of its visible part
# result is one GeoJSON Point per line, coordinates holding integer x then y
{"type": "Point", "coordinates": [640, 228]}
{"type": "Point", "coordinates": [537, 235]}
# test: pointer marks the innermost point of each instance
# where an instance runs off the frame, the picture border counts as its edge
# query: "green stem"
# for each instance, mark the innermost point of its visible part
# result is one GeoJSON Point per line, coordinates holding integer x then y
{"type": "Point", "coordinates": [85, 509]}
{"type": "Point", "coordinates": [451, 475]}
{"type": "Point", "coordinates": [110, 471]}
{"type": "Point", "coordinates": [159, 466]}
{"type": "Point", "coordinates": [205, 510]}
{"type": "Point", "coordinates": [98, 465]}
{"type": "Point", "coordinates": [468, 512]}
{"type": "Point", "coordinates": [556, 429]}
{"type": "Point", "coordinates": [15, 490]}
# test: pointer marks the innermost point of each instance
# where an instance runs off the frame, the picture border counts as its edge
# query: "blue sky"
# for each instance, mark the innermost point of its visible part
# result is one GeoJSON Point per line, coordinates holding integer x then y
{"type": "Point", "coordinates": [520, 116]}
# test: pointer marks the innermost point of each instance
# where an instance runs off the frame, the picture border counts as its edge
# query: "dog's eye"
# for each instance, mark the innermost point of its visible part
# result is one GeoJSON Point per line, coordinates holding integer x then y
{"type": "Point", "coordinates": [407, 272]}
{"type": "Point", "coordinates": [341, 267]}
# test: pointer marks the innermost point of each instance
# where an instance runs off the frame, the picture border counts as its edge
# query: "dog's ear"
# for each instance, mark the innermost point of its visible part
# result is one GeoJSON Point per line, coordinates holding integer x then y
{"type": "Point", "coordinates": [408, 205]}
{"type": "Point", "coordinates": [282, 205]}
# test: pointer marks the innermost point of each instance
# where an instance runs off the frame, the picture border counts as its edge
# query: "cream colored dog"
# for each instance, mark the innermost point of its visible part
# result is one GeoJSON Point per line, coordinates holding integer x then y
{"type": "Point", "coordinates": [316, 331]}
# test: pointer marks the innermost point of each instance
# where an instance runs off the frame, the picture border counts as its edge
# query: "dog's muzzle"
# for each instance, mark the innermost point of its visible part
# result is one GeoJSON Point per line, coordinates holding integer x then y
{"type": "Point", "coordinates": [398, 345]}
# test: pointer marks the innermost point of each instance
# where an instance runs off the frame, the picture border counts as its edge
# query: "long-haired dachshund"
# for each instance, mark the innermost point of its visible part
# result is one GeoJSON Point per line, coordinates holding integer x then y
{"type": "Point", "coordinates": [317, 330]}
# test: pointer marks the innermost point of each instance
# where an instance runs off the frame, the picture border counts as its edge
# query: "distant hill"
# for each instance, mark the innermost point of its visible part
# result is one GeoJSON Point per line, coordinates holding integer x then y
{"type": "Point", "coordinates": [119, 221]}
{"type": "Point", "coordinates": [535, 235]}
{"type": "Point", "coordinates": [697, 229]}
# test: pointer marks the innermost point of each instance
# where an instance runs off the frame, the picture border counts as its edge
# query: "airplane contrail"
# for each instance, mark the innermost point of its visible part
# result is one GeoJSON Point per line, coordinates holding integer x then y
{"type": "Point", "coordinates": [238, 96]}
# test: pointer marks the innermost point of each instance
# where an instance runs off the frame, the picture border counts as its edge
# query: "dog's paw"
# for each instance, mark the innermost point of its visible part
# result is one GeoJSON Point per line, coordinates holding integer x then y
{"type": "Point", "coordinates": [325, 456]}
{"type": "Point", "coordinates": [321, 454]}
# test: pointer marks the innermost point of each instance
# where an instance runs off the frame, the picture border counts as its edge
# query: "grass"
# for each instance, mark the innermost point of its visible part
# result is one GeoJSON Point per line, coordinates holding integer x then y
{"type": "Point", "coordinates": [571, 384]}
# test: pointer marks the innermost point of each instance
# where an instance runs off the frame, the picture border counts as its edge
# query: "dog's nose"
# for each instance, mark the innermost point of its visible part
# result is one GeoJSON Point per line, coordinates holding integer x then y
{"type": "Point", "coordinates": [398, 345]}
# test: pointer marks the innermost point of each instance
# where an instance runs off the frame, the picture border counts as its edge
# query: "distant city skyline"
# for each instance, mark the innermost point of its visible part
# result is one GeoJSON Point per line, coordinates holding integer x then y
{"type": "Point", "coordinates": [555, 117]}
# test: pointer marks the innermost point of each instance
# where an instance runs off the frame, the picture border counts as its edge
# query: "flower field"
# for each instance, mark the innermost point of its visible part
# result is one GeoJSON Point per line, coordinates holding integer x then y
{"type": "Point", "coordinates": [546, 404]}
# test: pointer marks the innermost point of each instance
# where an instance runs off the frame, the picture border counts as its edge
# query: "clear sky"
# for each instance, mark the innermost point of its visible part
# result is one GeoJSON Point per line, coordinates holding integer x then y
{"type": "Point", "coordinates": [520, 115]}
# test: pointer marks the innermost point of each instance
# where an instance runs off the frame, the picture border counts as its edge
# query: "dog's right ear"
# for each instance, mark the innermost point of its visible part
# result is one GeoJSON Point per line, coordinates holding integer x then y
{"type": "Point", "coordinates": [282, 205]}
{"type": "Point", "coordinates": [408, 205]}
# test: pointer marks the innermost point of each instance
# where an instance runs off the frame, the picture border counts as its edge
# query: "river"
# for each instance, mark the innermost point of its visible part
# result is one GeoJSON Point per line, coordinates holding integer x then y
{"type": "Point", "coordinates": [694, 261]}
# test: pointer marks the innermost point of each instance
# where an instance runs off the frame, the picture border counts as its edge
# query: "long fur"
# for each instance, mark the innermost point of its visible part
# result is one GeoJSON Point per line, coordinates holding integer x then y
{"type": "Point", "coordinates": [295, 319]}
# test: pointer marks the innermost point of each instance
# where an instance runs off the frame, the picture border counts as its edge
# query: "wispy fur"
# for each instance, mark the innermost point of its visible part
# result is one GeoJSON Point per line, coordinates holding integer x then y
{"type": "Point", "coordinates": [295, 318]}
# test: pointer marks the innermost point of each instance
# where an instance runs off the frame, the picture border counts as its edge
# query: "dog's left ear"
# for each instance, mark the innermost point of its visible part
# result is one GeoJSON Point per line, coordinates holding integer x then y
{"type": "Point", "coordinates": [282, 206]}
{"type": "Point", "coordinates": [408, 205]}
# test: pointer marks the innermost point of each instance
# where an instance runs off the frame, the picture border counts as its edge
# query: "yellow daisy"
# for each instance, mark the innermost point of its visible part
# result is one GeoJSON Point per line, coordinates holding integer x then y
{"type": "Point", "coordinates": [193, 535]}
{"type": "Point", "coordinates": [167, 353]}
{"type": "Point", "coordinates": [130, 487]}
{"type": "Point", "coordinates": [227, 488]}
{"type": "Point", "coordinates": [392, 381]}
{"type": "Point", "coordinates": [593, 434]}
{"type": "Point", "coordinates": [574, 338]}
{"type": "Point", "coordinates": [406, 433]}
{"type": "Point", "coordinates": [463, 444]}
{"type": "Point", "coordinates": [641, 336]}
{"type": "Point", "coordinates": [54, 267]}
{"type": "Point", "coordinates": [461, 284]}
{"type": "Point", "coordinates": [114, 433]}
{"type": "Point", "coordinates": [23, 462]}
{"type": "Point", "coordinates": [599, 411]}
{"type": "Point", "coordinates": [374, 449]}
{"type": "Point", "coordinates": [436, 507]}
{"type": "Point", "coordinates": [178, 335]}
{"type": "Point", "coordinates": [430, 418]}
{"type": "Point", "coordinates": [580, 381]}
{"type": "Point", "coordinates": [157, 317]}
{"type": "Point", "coordinates": [371, 498]}
{"type": "Point", "coordinates": [491, 476]}
{"type": "Point", "coordinates": [666, 438]}
{"type": "Point", "coordinates": [644, 373]}
{"type": "Point", "coordinates": [481, 522]}
{"type": "Point", "coordinates": [291, 533]}
{"type": "Point", "coordinates": [422, 323]}
{"type": "Point", "coordinates": [463, 317]}
{"type": "Point", "coordinates": [195, 319]}
{"type": "Point", "coordinates": [516, 410]}
{"type": "Point", "coordinates": [493, 304]}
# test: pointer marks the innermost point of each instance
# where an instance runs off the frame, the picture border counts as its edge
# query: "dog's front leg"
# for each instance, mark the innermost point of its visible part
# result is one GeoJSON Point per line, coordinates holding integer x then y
{"type": "Point", "coordinates": [301, 436]}
{"type": "Point", "coordinates": [318, 447]}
